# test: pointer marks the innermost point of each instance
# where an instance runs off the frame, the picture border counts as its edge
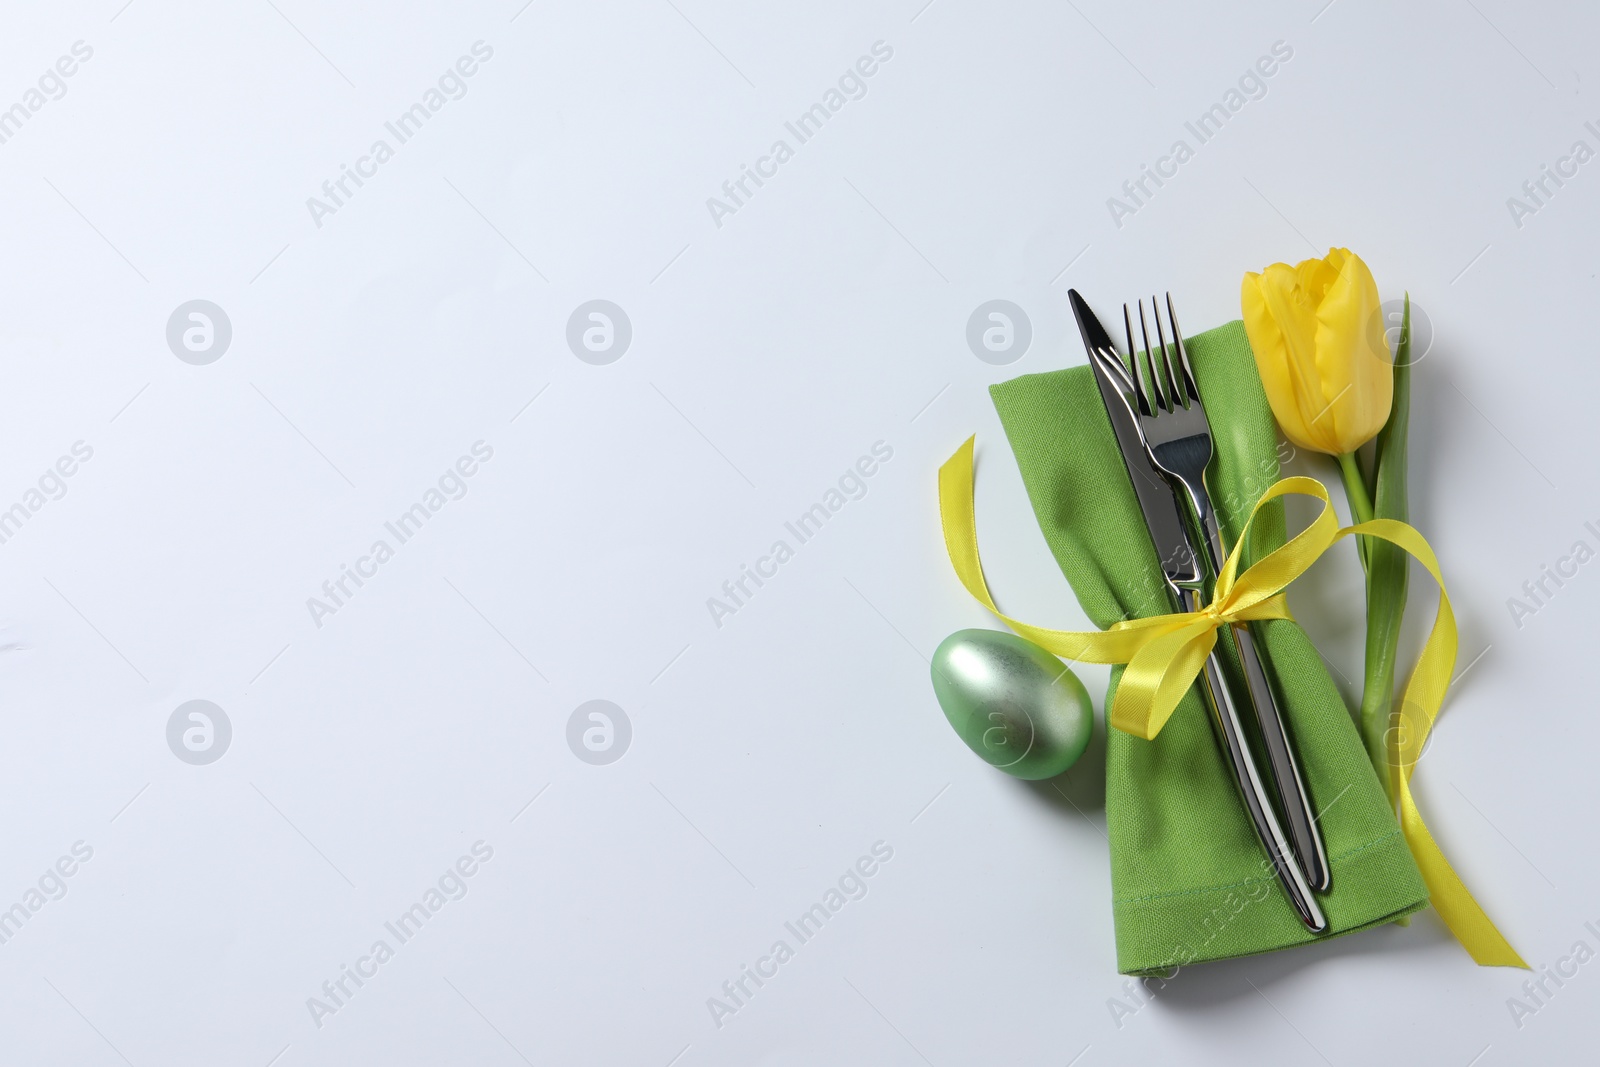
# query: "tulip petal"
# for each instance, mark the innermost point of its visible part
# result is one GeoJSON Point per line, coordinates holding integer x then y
{"type": "Point", "coordinates": [1353, 358]}
{"type": "Point", "coordinates": [1267, 343]}
{"type": "Point", "coordinates": [1292, 295]}
{"type": "Point", "coordinates": [1317, 335]}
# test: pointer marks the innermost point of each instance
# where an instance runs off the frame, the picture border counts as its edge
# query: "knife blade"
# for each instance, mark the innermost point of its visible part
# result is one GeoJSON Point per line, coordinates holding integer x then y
{"type": "Point", "coordinates": [1161, 515]}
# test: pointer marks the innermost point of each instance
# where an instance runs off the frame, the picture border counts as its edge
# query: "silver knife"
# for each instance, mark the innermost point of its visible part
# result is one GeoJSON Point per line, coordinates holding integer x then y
{"type": "Point", "coordinates": [1185, 580]}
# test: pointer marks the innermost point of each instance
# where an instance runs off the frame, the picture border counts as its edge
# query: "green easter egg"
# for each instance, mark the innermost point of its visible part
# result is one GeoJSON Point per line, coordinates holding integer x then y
{"type": "Point", "coordinates": [1014, 704]}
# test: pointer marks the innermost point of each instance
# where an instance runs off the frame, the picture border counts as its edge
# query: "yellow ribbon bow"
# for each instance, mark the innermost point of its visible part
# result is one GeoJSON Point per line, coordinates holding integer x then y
{"type": "Point", "coordinates": [1165, 653]}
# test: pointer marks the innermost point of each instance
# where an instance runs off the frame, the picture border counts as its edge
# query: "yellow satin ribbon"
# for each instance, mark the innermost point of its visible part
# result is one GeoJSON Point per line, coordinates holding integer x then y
{"type": "Point", "coordinates": [1165, 653]}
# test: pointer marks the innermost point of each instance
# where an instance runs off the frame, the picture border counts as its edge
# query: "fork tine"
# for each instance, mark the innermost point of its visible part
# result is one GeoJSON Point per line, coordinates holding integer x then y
{"type": "Point", "coordinates": [1108, 366]}
{"type": "Point", "coordinates": [1149, 367]}
{"type": "Point", "coordinates": [1111, 363]}
{"type": "Point", "coordinates": [1176, 398]}
{"type": "Point", "coordinates": [1183, 354]}
{"type": "Point", "coordinates": [1133, 358]}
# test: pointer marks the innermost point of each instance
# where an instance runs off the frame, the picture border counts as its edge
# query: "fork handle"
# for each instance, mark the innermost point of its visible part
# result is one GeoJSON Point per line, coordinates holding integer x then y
{"type": "Point", "coordinates": [1225, 715]}
{"type": "Point", "coordinates": [1290, 784]}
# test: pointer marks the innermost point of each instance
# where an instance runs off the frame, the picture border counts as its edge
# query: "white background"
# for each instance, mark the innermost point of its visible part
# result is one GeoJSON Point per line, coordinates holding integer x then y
{"type": "Point", "coordinates": [768, 354]}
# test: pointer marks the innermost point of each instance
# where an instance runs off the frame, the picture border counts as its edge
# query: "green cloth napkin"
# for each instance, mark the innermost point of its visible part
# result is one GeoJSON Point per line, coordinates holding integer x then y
{"type": "Point", "coordinates": [1190, 879]}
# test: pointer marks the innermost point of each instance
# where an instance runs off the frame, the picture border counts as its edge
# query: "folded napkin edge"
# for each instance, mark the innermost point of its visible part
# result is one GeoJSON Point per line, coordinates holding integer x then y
{"type": "Point", "coordinates": [1163, 970]}
{"type": "Point", "coordinates": [1261, 880]}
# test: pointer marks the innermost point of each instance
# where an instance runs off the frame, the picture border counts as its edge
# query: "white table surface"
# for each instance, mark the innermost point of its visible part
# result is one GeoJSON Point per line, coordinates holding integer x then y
{"type": "Point", "coordinates": [374, 344]}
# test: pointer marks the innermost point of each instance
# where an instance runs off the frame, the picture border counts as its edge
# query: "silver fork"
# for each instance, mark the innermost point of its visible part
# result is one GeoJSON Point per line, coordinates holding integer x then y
{"type": "Point", "coordinates": [1177, 437]}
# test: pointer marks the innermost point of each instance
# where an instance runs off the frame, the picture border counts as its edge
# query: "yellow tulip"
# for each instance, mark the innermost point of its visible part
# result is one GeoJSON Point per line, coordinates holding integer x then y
{"type": "Point", "coordinates": [1319, 344]}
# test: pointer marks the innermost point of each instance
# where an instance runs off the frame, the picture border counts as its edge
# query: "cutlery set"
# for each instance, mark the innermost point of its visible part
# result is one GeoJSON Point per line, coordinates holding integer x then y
{"type": "Point", "coordinates": [1159, 419]}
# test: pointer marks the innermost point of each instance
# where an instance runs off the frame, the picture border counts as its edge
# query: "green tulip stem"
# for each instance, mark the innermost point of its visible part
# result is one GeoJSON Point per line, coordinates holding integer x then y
{"type": "Point", "coordinates": [1355, 491]}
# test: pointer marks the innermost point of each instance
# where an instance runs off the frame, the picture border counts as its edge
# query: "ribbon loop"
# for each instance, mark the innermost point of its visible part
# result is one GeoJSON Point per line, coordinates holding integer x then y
{"type": "Point", "coordinates": [1165, 653]}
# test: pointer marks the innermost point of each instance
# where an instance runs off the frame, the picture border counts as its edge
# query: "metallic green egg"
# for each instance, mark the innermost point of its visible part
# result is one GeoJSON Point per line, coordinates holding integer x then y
{"type": "Point", "coordinates": [1014, 704]}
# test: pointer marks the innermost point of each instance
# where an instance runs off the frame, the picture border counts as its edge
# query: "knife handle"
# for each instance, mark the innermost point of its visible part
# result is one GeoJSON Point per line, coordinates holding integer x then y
{"type": "Point", "coordinates": [1296, 802]}
{"type": "Point", "coordinates": [1224, 714]}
